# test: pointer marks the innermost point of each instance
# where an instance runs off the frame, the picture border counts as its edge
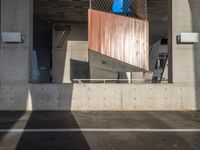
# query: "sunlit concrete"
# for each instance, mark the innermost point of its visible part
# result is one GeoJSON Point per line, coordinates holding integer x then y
{"type": "Point", "coordinates": [99, 97]}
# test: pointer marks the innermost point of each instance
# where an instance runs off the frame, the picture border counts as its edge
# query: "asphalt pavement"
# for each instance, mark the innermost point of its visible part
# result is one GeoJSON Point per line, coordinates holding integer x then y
{"type": "Point", "coordinates": [99, 130]}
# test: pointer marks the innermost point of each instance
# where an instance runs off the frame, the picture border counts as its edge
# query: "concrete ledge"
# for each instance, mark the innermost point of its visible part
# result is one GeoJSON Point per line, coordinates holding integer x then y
{"type": "Point", "coordinates": [88, 97]}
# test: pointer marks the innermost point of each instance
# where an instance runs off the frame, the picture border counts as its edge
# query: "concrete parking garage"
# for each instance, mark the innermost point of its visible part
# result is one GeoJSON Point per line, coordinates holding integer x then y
{"type": "Point", "coordinates": [37, 73]}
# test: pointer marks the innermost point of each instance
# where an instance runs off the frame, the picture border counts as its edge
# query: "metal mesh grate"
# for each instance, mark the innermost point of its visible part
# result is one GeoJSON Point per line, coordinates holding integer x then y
{"type": "Point", "coordinates": [131, 8]}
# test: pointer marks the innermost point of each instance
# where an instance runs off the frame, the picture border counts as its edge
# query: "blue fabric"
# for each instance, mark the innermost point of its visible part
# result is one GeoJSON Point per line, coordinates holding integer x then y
{"type": "Point", "coordinates": [122, 7]}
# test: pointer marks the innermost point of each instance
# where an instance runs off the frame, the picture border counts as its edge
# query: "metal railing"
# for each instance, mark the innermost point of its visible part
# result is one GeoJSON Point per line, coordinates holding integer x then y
{"type": "Point", "coordinates": [129, 81]}
{"type": "Point", "coordinates": [131, 8]}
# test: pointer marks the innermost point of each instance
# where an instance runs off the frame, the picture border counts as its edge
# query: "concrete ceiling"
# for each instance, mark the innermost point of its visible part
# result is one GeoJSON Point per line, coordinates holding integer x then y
{"type": "Point", "coordinates": [61, 10]}
{"type": "Point", "coordinates": [76, 11]}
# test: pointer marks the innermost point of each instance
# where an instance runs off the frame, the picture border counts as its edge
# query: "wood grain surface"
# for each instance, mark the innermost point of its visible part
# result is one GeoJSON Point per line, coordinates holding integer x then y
{"type": "Point", "coordinates": [120, 37]}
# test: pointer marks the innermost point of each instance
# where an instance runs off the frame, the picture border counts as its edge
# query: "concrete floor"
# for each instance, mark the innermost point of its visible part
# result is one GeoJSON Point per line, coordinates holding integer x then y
{"type": "Point", "coordinates": [99, 140]}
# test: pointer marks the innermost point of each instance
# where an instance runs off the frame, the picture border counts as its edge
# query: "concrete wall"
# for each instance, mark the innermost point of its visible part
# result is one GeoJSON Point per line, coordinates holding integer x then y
{"type": "Point", "coordinates": [85, 97]}
{"type": "Point", "coordinates": [71, 60]}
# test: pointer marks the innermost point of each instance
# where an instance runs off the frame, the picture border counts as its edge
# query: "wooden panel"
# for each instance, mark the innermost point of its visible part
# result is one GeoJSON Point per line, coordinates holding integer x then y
{"type": "Point", "coordinates": [122, 38]}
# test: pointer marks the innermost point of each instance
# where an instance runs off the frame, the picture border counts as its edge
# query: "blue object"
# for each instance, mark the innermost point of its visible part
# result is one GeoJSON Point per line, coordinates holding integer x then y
{"type": "Point", "coordinates": [122, 7]}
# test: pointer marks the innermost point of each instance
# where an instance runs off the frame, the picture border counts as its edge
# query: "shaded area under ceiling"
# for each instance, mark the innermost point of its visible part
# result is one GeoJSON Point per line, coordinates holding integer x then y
{"type": "Point", "coordinates": [158, 19]}
{"type": "Point", "coordinates": [61, 10]}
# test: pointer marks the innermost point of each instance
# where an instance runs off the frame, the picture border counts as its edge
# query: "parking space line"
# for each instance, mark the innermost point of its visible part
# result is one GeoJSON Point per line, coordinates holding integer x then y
{"type": "Point", "coordinates": [98, 130]}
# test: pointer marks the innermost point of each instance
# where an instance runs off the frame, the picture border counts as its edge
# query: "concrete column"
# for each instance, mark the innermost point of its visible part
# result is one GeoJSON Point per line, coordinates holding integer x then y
{"type": "Point", "coordinates": [185, 57]}
{"type": "Point", "coordinates": [0, 30]}
{"type": "Point", "coordinates": [16, 16]}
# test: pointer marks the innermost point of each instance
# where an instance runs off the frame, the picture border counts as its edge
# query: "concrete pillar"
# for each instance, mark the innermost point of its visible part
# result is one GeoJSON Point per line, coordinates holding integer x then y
{"type": "Point", "coordinates": [185, 57]}
{"type": "Point", "coordinates": [16, 16]}
{"type": "Point", "coordinates": [0, 31]}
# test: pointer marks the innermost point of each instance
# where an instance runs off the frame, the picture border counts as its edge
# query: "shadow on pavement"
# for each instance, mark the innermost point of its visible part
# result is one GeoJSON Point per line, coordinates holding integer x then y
{"type": "Point", "coordinates": [52, 141]}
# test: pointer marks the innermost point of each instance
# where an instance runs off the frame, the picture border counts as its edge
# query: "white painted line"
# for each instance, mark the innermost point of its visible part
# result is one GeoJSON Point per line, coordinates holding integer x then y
{"type": "Point", "coordinates": [97, 130]}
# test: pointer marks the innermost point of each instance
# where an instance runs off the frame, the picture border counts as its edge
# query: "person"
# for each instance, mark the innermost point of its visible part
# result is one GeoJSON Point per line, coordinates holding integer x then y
{"type": "Point", "coordinates": [122, 7]}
